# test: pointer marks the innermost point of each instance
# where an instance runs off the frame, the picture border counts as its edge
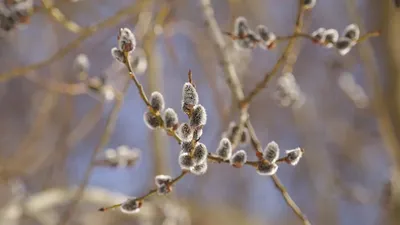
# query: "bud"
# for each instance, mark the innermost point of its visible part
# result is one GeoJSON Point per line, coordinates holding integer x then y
{"type": "Point", "coordinates": [238, 159]}
{"type": "Point", "coordinates": [352, 32]}
{"type": "Point", "coordinates": [224, 149]}
{"type": "Point", "coordinates": [309, 4]}
{"type": "Point", "coordinates": [127, 156]}
{"type": "Point", "coordinates": [198, 117]}
{"type": "Point", "coordinates": [241, 27]}
{"type": "Point", "coordinates": [343, 45]}
{"type": "Point", "coordinates": [185, 132]}
{"type": "Point", "coordinates": [131, 206]}
{"type": "Point", "coordinates": [157, 101]}
{"type": "Point", "coordinates": [190, 98]}
{"type": "Point", "coordinates": [81, 63]}
{"type": "Point", "coordinates": [293, 156]}
{"type": "Point", "coordinates": [200, 153]}
{"type": "Point", "coordinates": [185, 161]}
{"type": "Point", "coordinates": [108, 92]}
{"type": "Point", "coordinates": [126, 40]}
{"type": "Point", "coordinates": [170, 118]}
{"type": "Point", "coordinates": [331, 37]}
{"type": "Point", "coordinates": [152, 121]}
{"type": "Point", "coordinates": [266, 169]}
{"type": "Point", "coordinates": [199, 169]}
{"type": "Point", "coordinates": [118, 55]}
{"type": "Point", "coordinates": [187, 147]}
{"type": "Point", "coordinates": [162, 179]}
{"type": "Point", "coordinates": [267, 37]}
{"type": "Point", "coordinates": [319, 35]}
{"type": "Point", "coordinates": [271, 152]}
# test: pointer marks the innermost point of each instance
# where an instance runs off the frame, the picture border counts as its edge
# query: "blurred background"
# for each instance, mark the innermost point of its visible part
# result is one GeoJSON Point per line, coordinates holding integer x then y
{"type": "Point", "coordinates": [50, 123]}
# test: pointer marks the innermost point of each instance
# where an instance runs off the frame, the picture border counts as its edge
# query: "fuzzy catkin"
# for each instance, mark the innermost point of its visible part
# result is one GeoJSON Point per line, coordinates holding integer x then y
{"type": "Point", "coordinates": [152, 121]}
{"type": "Point", "coordinates": [200, 153]}
{"type": "Point", "coordinates": [185, 132]}
{"type": "Point", "coordinates": [267, 169]}
{"type": "Point", "coordinates": [126, 40]}
{"type": "Point", "coordinates": [199, 169]}
{"type": "Point", "coordinates": [130, 206]}
{"type": "Point", "coordinates": [185, 161]}
{"type": "Point", "coordinates": [157, 101]}
{"type": "Point", "coordinates": [199, 116]}
{"type": "Point", "coordinates": [271, 152]}
{"type": "Point", "coordinates": [224, 149]}
{"type": "Point", "coordinates": [238, 159]}
{"type": "Point", "coordinates": [170, 118]}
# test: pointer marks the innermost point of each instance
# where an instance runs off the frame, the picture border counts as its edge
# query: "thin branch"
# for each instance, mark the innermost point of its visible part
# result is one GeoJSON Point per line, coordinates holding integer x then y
{"type": "Point", "coordinates": [148, 194]}
{"type": "Point", "coordinates": [137, 83]}
{"type": "Point", "coordinates": [61, 18]}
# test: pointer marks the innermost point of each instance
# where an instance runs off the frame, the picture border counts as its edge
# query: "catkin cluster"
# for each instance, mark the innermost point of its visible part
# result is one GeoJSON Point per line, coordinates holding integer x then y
{"type": "Point", "coordinates": [193, 155]}
{"type": "Point", "coordinates": [330, 38]}
{"type": "Point", "coordinates": [246, 38]}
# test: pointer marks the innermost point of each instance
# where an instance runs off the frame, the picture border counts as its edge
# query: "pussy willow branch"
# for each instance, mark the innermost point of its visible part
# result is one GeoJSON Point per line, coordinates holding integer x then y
{"type": "Point", "coordinates": [263, 83]}
{"type": "Point", "coordinates": [89, 31]}
{"type": "Point", "coordinates": [297, 34]}
{"type": "Point", "coordinates": [308, 36]}
{"type": "Point", "coordinates": [61, 18]}
{"type": "Point", "coordinates": [236, 88]}
{"type": "Point", "coordinates": [149, 193]}
{"type": "Point", "coordinates": [278, 184]}
{"type": "Point", "coordinates": [142, 94]}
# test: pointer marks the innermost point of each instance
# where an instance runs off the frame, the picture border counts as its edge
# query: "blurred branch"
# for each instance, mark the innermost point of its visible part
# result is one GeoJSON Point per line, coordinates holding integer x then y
{"type": "Point", "coordinates": [110, 125]}
{"type": "Point", "coordinates": [89, 31]}
{"type": "Point", "coordinates": [60, 17]}
{"type": "Point", "coordinates": [390, 120]}
{"type": "Point", "coordinates": [63, 88]}
{"type": "Point", "coordinates": [155, 82]}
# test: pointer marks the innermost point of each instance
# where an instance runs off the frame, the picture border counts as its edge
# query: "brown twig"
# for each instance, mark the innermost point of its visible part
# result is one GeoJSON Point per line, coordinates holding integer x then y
{"type": "Point", "coordinates": [137, 83]}
{"type": "Point", "coordinates": [148, 194]}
